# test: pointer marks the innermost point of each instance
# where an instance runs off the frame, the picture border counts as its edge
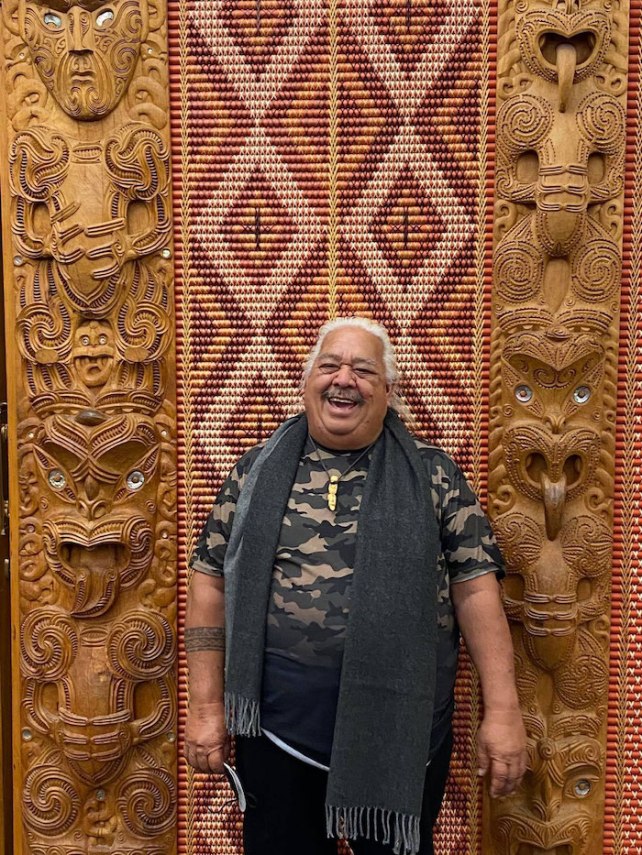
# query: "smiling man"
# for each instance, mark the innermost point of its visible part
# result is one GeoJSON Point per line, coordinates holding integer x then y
{"type": "Point", "coordinates": [340, 562]}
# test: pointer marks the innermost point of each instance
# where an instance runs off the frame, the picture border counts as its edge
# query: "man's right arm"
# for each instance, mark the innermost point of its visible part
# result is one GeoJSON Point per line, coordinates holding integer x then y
{"type": "Point", "coordinates": [207, 744]}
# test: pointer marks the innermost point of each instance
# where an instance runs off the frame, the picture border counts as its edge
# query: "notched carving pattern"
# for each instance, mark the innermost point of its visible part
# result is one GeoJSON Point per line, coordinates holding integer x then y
{"type": "Point", "coordinates": [557, 270]}
{"type": "Point", "coordinates": [91, 230]}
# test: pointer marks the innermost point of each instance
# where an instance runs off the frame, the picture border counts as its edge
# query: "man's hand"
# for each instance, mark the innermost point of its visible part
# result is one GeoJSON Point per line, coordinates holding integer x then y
{"type": "Point", "coordinates": [501, 751]}
{"type": "Point", "coordinates": [207, 742]}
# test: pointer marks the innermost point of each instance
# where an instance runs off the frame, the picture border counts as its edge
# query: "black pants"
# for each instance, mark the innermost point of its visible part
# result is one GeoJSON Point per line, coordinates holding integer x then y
{"type": "Point", "coordinates": [286, 797]}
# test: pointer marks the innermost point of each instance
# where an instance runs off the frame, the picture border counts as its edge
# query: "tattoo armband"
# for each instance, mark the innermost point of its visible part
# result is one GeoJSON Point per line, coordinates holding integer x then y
{"type": "Point", "coordinates": [204, 638]}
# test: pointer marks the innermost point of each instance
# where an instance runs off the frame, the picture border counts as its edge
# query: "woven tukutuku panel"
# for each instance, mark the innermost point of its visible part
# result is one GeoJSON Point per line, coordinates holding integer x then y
{"type": "Point", "coordinates": [330, 158]}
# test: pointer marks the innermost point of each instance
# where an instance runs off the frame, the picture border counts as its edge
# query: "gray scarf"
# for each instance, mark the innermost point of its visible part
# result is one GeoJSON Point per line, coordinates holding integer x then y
{"type": "Point", "coordinates": [382, 730]}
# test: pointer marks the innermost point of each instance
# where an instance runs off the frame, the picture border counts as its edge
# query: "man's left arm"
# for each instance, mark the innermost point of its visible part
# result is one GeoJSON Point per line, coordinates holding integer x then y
{"type": "Point", "coordinates": [501, 741]}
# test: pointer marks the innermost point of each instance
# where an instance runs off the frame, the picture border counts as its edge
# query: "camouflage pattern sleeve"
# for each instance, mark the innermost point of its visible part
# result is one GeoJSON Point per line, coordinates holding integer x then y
{"type": "Point", "coordinates": [468, 543]}
{"type": "Point", "coordinates": [209, 552]}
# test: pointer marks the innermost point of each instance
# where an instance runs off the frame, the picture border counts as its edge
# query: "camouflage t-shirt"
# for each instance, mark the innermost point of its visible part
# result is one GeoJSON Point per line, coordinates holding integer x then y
{"type": "Point", "coordinates": [309, 605]}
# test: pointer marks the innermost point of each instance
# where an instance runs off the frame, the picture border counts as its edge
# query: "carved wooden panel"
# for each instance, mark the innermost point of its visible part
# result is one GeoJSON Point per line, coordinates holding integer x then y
{"type": "Point", "coordinates": [88, 245]}
{"type": "Point", "coordinates": [561, 97]}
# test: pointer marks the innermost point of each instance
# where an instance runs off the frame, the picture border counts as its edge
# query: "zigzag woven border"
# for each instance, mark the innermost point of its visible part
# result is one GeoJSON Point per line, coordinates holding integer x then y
{"type": "Point", "coordinates": [622, 827]}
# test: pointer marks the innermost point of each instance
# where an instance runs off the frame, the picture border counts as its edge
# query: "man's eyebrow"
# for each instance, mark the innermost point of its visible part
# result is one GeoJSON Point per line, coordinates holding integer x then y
{"type": "Point", "coordinates": [337, 358]}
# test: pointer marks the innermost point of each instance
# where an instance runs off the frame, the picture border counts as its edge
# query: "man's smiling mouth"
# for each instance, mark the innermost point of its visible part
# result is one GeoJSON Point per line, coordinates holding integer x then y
{"type": "Point", "coordinates": [344, 400]}
{"type": "Point", "coordinates": [343, 403]}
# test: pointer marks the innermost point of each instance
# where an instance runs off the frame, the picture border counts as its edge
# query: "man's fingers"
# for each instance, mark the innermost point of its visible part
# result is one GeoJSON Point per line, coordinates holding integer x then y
{"type": "Point", "coordinates": [482, 760]}
{"type": "Point", "coordinates": [204, 760]}
{"type": "Point", "coordinates": [498, 778]}
{"type": "Point", "coordinates": [506, 776]}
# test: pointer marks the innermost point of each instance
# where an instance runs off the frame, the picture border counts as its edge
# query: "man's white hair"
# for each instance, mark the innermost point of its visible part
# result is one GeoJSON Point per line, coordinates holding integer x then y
{"type": "Point", "coordinates": [389, 358]}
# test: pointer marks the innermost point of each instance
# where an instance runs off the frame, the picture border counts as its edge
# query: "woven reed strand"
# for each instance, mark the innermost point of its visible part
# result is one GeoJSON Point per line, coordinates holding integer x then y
{"type": "Point", "coordinates": [624, 799]}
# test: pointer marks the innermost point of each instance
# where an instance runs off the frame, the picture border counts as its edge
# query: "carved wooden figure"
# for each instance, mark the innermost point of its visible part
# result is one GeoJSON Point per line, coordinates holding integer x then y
{"type": "Point", "coordinates": [90, 228]}
{"type": "Point", "coordinates": [557, 263]}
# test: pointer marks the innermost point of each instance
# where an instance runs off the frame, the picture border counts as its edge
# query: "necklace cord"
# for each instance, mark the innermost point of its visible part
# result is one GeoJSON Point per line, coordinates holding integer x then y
{"type": "Point", "coordinates": [333, 480]}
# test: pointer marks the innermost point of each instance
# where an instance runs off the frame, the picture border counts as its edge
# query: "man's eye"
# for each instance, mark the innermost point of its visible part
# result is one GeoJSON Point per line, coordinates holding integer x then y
{"type": "Point", "coordinates": [328, 367]}
{"type": "Point", "coordinates": [364, 372]}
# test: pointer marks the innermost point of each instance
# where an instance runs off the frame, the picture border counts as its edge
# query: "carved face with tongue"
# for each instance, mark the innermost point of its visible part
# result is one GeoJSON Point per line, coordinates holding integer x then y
{"type": "Point", "coordinates": [346, 394]}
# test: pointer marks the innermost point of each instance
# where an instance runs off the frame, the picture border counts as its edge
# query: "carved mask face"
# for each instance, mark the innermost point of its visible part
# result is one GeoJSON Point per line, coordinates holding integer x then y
{"type": "Point", "coordinates": [561, 817]}
{"type": "Point", "coordinates": [85, 51]}
{"type": "Point", "coordinates": [93, 352]}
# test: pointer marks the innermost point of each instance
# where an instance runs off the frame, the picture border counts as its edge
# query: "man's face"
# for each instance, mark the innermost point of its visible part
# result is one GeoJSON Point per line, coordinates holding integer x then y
{"type": "Point", "coordinates": [346, 394]}
{"type": "Point", "coordinates": [85, 51]}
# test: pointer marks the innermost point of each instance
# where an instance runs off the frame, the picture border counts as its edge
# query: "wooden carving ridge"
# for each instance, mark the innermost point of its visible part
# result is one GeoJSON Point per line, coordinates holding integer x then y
{"type": "Point", "coordinates": [91, 244]}
{"type": "Point", "coordinates": [557, 272]}
{"type": "Point", "coordinates": [96, 731]}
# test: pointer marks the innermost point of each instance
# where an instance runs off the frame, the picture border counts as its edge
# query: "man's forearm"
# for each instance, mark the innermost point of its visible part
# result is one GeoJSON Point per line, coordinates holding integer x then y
{"type": "Point", "coordinates": [207, 744]}
{"type": "Point", "coordinates": [501, 739]}
{"type": "Point", "coordinates": [205, 639]}
{"type": "Point", "coordinates": [483, 624]}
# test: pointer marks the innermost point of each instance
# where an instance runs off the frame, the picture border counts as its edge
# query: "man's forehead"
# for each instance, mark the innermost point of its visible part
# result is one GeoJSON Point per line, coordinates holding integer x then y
{"type": "Point", "coordinates": [66, 5]}
{"type": "Point", "coordinates": [358, 341]}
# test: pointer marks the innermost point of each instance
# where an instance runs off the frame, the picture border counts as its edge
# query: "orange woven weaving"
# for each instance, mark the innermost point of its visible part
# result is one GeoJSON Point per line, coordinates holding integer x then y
{"type": "Point", "coordinates": [622, 827]}
{"type": "Point", "coordinates": [329, 158]}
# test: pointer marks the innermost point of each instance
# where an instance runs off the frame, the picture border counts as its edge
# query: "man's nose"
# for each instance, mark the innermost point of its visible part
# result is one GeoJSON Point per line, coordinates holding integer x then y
{"type": "Point", "coordinates": [345, 375]}
{"type": "Point", "coordinates": [79, 30]}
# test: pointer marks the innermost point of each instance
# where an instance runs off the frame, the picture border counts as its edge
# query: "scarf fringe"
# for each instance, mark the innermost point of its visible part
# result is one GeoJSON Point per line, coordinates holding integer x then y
{"type": "Point", "coordinates": [242, 716]}
{"type": "Point", "coordinates": [399, 829]}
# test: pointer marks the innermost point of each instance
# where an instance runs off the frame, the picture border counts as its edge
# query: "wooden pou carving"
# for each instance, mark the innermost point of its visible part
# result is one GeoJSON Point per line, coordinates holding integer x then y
{"type": "Point", "coordinates": [90, 229]}
{"type": "Point", "coordinates": [557, 262]}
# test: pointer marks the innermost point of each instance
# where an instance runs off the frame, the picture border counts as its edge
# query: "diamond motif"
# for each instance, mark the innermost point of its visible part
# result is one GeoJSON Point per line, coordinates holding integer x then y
{"type": "Point", "coordinates": [298, 121]}
{"type": "Point", "coordinates": [406, 227]}
{"type": "Point", "coordinates": [446, 121]}
{"type": "Point", "coordinates": [301, 310]}
{"type": "Point", "coordinates": [258, 27]}
{"type": "Point", "coordinates": [217, 116]}
{"type": "Point", "coordinates": [409, 27]}
{"type": "Point", "coordinates": [367, 117]}
{"type": "Point", "coordinates": [258, 227]}
{"type": "Point", "coordinates": [258, 414]}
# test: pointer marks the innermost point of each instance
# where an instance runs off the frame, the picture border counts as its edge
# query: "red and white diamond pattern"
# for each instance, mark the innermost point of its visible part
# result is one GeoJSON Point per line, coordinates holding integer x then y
{"type": "Point", "coordinates": [258, 206]}
{"type": "Point", "coordinates": [258, 197]}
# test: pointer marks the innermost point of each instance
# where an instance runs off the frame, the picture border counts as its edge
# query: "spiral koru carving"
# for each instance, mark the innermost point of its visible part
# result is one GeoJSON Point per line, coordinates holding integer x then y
{"type": "Point", "coordinates": [587, 546]}
{"type": "Point", "coordinates": [51, 802]}
{"type": "Point", "coordinates": [602, 121]}
{"type": "Point", "coordinates": [523, 122]}
{"type": "Point", "coordinates": [520, 539]}
{"type": "Point", "coordinates": [584, 683]}
{"type": "Point", "coordinates": [137, 162]}
{"type": "Point", "coordinates": [141, 647]}
{"type": "Point", "coordinates": [596, 271]}
{"type": "Point", "coordinates": [144, 329]}
{"type": "Point", "coordinates": [48, 643]}
{"type": "Point", "coordinates": [519, 271]}
{"type": "Point", "coordinates": [147, 802]}
{"type": "Point", "coordinates": [44, 332]}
